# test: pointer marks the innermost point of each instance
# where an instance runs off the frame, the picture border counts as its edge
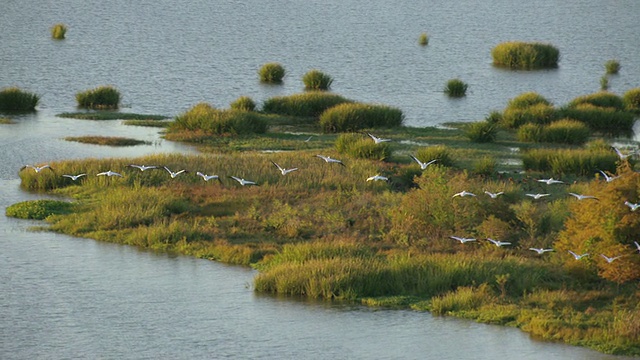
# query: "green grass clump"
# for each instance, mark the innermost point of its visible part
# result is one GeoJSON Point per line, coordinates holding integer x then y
{"type": "Point", "coordinates": [38, 209]}
{"type": "Point", "coordinates": [527, 99]}
{"type": "Point", "coordinates": [579, 162]}
{"type": "Point", "coordinates": [357, 146]}
{"type": "Point", "coordinates": [564, 131]}
{"type": "Point", "coordinates": [147, 123]}
{"type": "Point", "coordinates": [525, 56]}
{"type": "Point", "coordinates": [357, 116]}
{"type": "Point", "coordinates": [481, 132]}
{"type": "Point", "coordinates": [541, 113]}
{"type": "Point", "coordinates": [604, 83]}
{"type": "Point", "coordinates": [243, 103]}
{"type": "Point", "coordinates": [485, 166]}
{"type": "Point", "coordinates": [102, 97]}
{"type": "Point", "coordinates": [603, 99]}
{"type": "Point", "coordinates": [463, 298]}
{"type": "Point", "coordinates": [604, 120]}
{"type": "Point", "coordinates": [106, 140]}
{"type": "Point", "coordinates": [441, 152]}
{"type": "Point", "coordinates": [631, 100]}
{"type": "Point", "coordinates": [110, 115]}
{"type": "Point", "coordinates": [308, 104]}
{"type": "Point", "coordinates": [271, 73]}
{"type": "Point", "coordinates": [203, 117]}
{"type": "Point", "coordinates": [612, 67]}
{"type": "Point", "coordinates": [423, 39]}
{"type": "Point", "coordinates": [316, 80]}
{"type": "Point", "coordinates": [58, 31]}
{"type": "Point", "coordinates": [456, 88]}
{"type": "Point", "coordinates": [4, 120]}
{"type": "Point", "coordinates": [14, 99]}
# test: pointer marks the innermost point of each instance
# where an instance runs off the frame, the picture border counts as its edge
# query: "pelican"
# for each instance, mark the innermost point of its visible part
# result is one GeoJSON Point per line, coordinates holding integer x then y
{"type": "Point", "coordinates": [578, 257]}
{"type": "Point", "coordinates": [462, 240]}
{"type": "Point", "coordinates": [208, 177]}
{"type": "Point", "coordinates": [494, 195]}
{"type": "Point", "coordinates": [309, 138]}
{"type": "Point", "coordinates": [540, 251]}
{"type": "Point", "coordinates": [283, 170]}
{"type": "Point", "coordinates": [610, 259]}
{"type": "Point", "coordinates": [37, 168]}
{"type": "Point", "coordinates": [174, 174]}
{"type": "Point", "coordinates": [537, 196]}
{"type": "Point", "coordinates": [621, 155]}
{"type": "Point", "coordinates": [423, 165]}
{"type": "Point", "coordinates": [582, 197]}
{"type": "Point", "coordinates": [632, 206]}
{"type": "Point", "coordinates": [377, 140]}
{"type": "Point", "coordinates": [637, 245]}
{"type": "Point", "coordinates": [607, 177]}
{"type": "Point", "coordinates": [328, 159]}
{"type": "Point", "coordinates": [243, 182]}
{"type": "Point", "coordinates": [74, 177]}
{"type": "Point", "coordinates": [377, 177]}
{"type": "Point", "coordinates": [143, 167]}
{"type": "Point", "coordinates": [499, 243]}
{"type": "Point", "coordinates": [109, 173]}
{"type": "Point", "coordinates": [463, 194]}
{"type": "Point", "coordinates": [550, 181]}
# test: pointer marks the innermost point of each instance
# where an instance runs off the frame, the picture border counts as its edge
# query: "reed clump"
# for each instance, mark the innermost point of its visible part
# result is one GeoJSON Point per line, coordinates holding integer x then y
{"type": "Point", "coordinates": [110, 115]}
{"type": "Point", "coordinates": [272, 73]}
{"type": "Point", "coordinates": [307, 104]}
{"type": "Point", "coordinates": [357, 146]}
{"type": "Point", "coordinates": [602, 99]}
{"type": "Point", "coordinates": [58, 31]}
{"type": "Point", "coordinates": [456, 88]}
{"type": "Point", "coordinates": [442, 153]}
{"type": "Point", "coordinates": [423, 39]}
{"type": "Point", "coordinates": [204, 117]}
{"type": "Point", "coordinates": [525, 56]}
{"type": "Point", "coordinates": [579, 162]}
{"type": "Point", "coordinates": [612, 67]}
{"type": "Point", "coordinates": [106, 140]}
{"type": "Point", "coordinates": [102, 97]}
{"type": "Point", "coordinates": [15, 99]}
{"type": "Point", "coordinates": [243, 103]}
{"type": "Point", "coordinates": [563, 131]}
{"type": "Point", "coordinates": [513, 117]}
{"type": "Point", "coordinates": [4, 120]}
{"type": "Point", "coordinates": [358, 116]}
{"type": "Point", "coordinates": [316, 80]}
{"type": "Point", "coordinates": [481, 132]}
{"type": "Point", "coordinates": [631, 99]}
{"type": "Point", "coordinates": [527, 99]}
{"type": "Point", "coordinates": [38, 209]}
{"type": "Point", "coordinates": [603, 120]}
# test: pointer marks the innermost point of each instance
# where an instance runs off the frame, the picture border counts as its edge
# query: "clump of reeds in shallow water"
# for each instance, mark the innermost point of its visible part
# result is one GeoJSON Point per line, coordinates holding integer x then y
{"type": "Point", "coordinates": [525, 56]}
{"type": "Point", "coordinates": [102, 97]}
{"type": "Point", "coordinates": [456, 88]}
{"type": "Point", "coordinates": [357, 116]}
{"type": "Point", "coordinates": [244, 103]}
{"type": "Point", "coordinates": [58, 31]}
{"type": "Point", "coordinates": [14, 99]}
{"type": "Point", "coordinates": [612, 67]}
{"type": "Point", "coordinates": [423, 39]}
{"type": "Point", "coordinates": [307, 104]}
{"type": "Point", "coordinates": [271, 73]}
{"type": "Point", "coordinates": [317, 80]}
{"type": "Point", "coordinates": [106, 140]}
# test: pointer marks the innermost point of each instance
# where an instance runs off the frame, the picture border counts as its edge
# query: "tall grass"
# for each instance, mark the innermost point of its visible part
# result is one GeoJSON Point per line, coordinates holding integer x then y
{"type": "Point", "coordinates": [580, 162]}
{"type": "Point", "coordinates": [357, 116]}
{"type": "Point", "coordinates": [604, 120]}
{"type": "Point", "coordinates": [203, 117]}
{"type": "Point", "coordinates": [308, 104]}
{"type": "Point", "coordinates": [102, 97]}
{"type": "Point", "coordinates": [564, 131]}
{"type": "Point", "coordinates": [456, 88]}
{"type": "Point", "coordinates": [316, 80]}
{"type": "Point", "coordinates": [540, 113]}
{"type": "Point", "coordinates": [357, 146]}
{"type": "Point", "coordinates": [631, 100]}
{"type": "Point", "coordinates": [423, 39]}
{"type": "Point", "coordinates": [58, 31]}
{"type": "Point", "coordinates": [481, 132]}
{"type": "Point", "coordinates": [38, 209]}
{"type": "Point", "coordinates": [272, 72]}
{"type": "Point", "coordinates": [526, 100]}
{"type": "Point", "coordinates": [14, 99]}
{"type": "Point", "coordinates": [526, 56]}
{"type": "Point", "coordinates": [612, 66]}
{"type": "Point", "coordinates": [243, 103]}
{"type": "Point", "coordinates": [603, 99]}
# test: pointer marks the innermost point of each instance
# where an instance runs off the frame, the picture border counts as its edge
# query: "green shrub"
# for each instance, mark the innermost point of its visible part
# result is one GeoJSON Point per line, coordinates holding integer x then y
{"type": "Point", "coordinates": [58, 31]}
{"type": "Point", "coordinates": [14, 99]}
{"type": "Point", "coordinates": [526, 100]}
{"type": "Point", "coordinates": [612, 66]}
{"type": "Point", "coordinates": [206, 118]}
{"type": "Point", "coordinates": [440, 152]}
{"type": "Point", "coordinates": [357, 116]}
{"type": "Point", "coordinates": [455, 88]}
{"type": "Point", "coordinates": [631, 100]}
{"type": "Point", "coordinates": [602, 99]}
{"type": "Point", "coordinates": [244, 103]}
{"type": "Point", "coordinates": [513, 118]}
{"type": "Point", "coordinates": [271, 73]}
{"type": "Point", "coordinates": [357, 146]}
{"type": "Point", "coordinates": [423, 39]}
{"type": "Point", "coordinates": [102, 97]}
{"type": "Point", "coordinates": [526, 56]}
{"type": "Point", "coordinates": [580, 162]}
{"type": "Point", "coordinates": [485, 166]}
{"type": "Point", "coordinates": [316, 80]}
{"type": "Point", "coordinates": [481, 132]}
{"type": "Point", "coordinates": [38, 209]}
{"type": "Point", "coordinates": [606, 121]}
{"type": "Point", "coordinates": [308, 104]}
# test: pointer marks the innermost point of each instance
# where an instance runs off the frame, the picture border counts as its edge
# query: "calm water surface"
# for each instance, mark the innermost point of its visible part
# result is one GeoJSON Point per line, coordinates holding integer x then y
{"type": "Point", "coordinates": [68, 298]}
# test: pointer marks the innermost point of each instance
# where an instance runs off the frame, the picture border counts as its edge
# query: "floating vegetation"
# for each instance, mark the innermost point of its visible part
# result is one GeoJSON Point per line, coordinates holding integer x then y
{"type": "Point", "coordinates": [612, 67]}
{"type": "Point", "coordinates": [423, 39]}
{"type": "Point", "coordinates": [456, 88]}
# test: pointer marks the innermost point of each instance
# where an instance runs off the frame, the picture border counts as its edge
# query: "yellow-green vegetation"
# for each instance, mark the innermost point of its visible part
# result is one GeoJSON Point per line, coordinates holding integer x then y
{"type": "Point", "coordinates": [271, 73]}
{"type": "Point", "coordinates": [102, 97]}
{"type": "Point", "coordinates": [612, 66]}
{"type": "Point", "coordinates": [316, 80]}
{"type": "Point", "coordinates": [631, 100]}
{"type": "Point", "coordinates": [243, 103]}
{"type": "Point", "coordinates": [15, 99]}
{"type": "Point", "coordinates": [455, 88]}
{"type": "Point", "coordinates": [563, 131]}
{"type": "Point", "coordinates": [482, 131]}
{"type": "Point", "coordinates": [604, 82]}
{"type": "Point", "coordinates": [358, 116]}
{"type": "Point", "coordinates": [38, 209]}
{"type": "Point", "coordinates": [326, 232]}
{"type": "Point", "coordinates": [423, 39]}
{"type": "Point", "coordinates": [525, 56]}
{"type": "Point", "coordinates": [58, 31]}
{"type": "Point", "coordinates": [307, 104]}
{"type": "Point", "coordinates": [4, 120]}
{"type": "Point", "coordinates": [106, 140]}
{"type": "Point", "coordinates": [110, 115]}
{"type": "Point", "coordinates": [147, 123]}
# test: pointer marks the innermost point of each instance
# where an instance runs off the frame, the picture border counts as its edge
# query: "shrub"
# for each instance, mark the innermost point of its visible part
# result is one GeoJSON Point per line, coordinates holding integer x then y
{"type": "Point", "coordinates": [213, 121]}
{"type": "Point", "coordinates": [612, 66]}
{"type": "Point", "coordinates": [423, 39]}
{"type": "Point", "coordinates": [513, 118]}
{"type": "Point", "coordinates": [308, 104]}
{"type": "Point", "coordinates": [58, 31]}
{"type": "Point", "coordinates": [356, 116]}
{"type": "Point", "coordinates": [525, 56]}
{"type": "Point", "coordinates": [455, 88]}
{"type": "Point", "coordinates": [316, 80]}
{"type": "Point", "coordinates": [631, 100]}
{"type": "Point", "coordinates": [357, 146]}
{"type": "Point", "coordinates": [102, 97]}
{"type": "Point", "coordinates": [38, 209]}
{"type": "Point", "coordinates": [526, 100]}
{"type": "Point", "coordinates": [602, 99]}
{"type": "Point", "coordinates": [481, 132]}
{"type": "Point", "coordinates": [271, 73]}
{"type": "Point", "coordinates": [243, 103]}
{"type": "Point", "coordinates": [14, 99]}
{"type": "Point", "coordinates": [440, 152]}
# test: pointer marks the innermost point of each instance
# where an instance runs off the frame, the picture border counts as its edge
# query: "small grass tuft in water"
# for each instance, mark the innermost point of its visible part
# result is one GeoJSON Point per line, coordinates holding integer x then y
{"type": "Point", "coordinates": [317, 80]}
{"type": "Point", "coordinates": [272, 73]}
{"type": "Point", "coordinates": [423, 39]}
{"type": "Point", "coordinates": [58, 31]}
{"type": "Point", "coordinates": [525, 56]}
{"type": "Point", "coordinates": [102, 97]}
{"type": "Point", "coordinates": [4, 120]}
{"type": "Point", "coordinates": [14, 99]}
{"type": "Point", "coordinates": [612, 67]}
{"type": "Point", "coordinates": [107, 140]}
{"type": "Point", "coordinates": [243, 103]}
{"type": "Point", "coordinates": [455, 88]}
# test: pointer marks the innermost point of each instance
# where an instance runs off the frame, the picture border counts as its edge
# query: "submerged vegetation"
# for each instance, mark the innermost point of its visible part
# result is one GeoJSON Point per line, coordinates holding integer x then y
{"type": "Point", "coordinates": [15, 99]}
{"type": "Point", "coordinates": [525, 56]}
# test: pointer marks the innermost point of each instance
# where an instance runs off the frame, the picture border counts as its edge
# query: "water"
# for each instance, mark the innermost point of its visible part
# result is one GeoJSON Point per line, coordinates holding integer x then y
{"type": "Point", "coordinates": [64, 297]}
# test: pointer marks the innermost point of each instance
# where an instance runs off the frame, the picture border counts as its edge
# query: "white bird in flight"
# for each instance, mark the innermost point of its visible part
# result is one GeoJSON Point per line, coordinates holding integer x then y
{"type": "Point", "coordinates": [537, 196]}
{"type": "Point", "coordinates": [621, 155]}
{"type": "Point", "coordinates": [607, 177]}
{"type": "Point", "coordinates": [143, 167]}
{"type": "Point", "coordinates": [578, 257]}
{"type": "Point", "coordinates": [582, 197]}
{"type": "Point", "coordinates": [283, 170]}
{"type": "Point", "coordinates": [637, 245]}
{"type": "Point", "coordinates": [377, 140]}
{"type": "Point", "coordinates": [550, 181]}
{"type": "Point", "coordinates": [540, 251]}
{"type": "Point", "coordinates": [494, 195]}
{"type": "Point", "coordinates": [422, 164]}
{"type": "Point", "coordinates": [109, 173]}
{"type": "Point", "coordinates": [206, 177]}
{"type": "Point", "coordinates": [610, 259]}
{"type": "Point", "coordinates": [632, 206]}
{"type": "Point", "coordinates": [329, 159]}
{"type": "Point", "coordinates": [37, 168]}
{"type": "Point", "coordinates": [243, 182]}
{"type": "Point", "coordinates": [174, 174]}
{"type": "Point", "coordinates": [378, 178]}
{"type": "Point", "coordinates": [499, 243]}
{"type": "Point", "coordinates": [463, 194]}
{"type": "Point", "coordinates": [462, 240]}
{"type": "Point", "coordinates": [74, 177]}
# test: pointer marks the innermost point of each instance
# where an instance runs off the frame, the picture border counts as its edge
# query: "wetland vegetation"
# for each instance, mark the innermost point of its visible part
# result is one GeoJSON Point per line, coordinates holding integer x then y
{"type": "Point", "coordinates": [106, 140]}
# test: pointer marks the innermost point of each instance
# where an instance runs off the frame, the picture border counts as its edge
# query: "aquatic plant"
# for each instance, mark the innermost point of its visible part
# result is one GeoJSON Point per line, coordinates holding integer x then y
{"type": "Point", "coordinates": [525, 56]}
{"type": "Point", "coordinates": [357, 116]}
{"type": "Point", "coordinates": [102, 97]}
{"type": "Point", "coordinates": [58, 31]}
{"type": "Point", "coordinates": [358, 146]}
{"type": "Point", "coordinates": [423, 39]}
{"type": "Point", "coordinates": [4, 120]}
{"type": "Point", "coordinates": [243, 103]}
{"type": "Point", "coordinates": [316, 80]}
{"type": "Point", "coordinates": [106, 140]}
{"type": "Point", "coordinates": [603, 99]}
{"type": "Point", "coordinates": [38, 209]}
{"type": "Point", "coordinates": [604, 120]}
{"type": "Point", "coordinates": [206, 118]}
{"type": "Point", "coordinates": [14, 99]}
{"type": "Point", "coordinates": [272, 72]}
{"type": "Point", "coordinates": [110, 115]}
{"type": "Point", "coordinates": [563, 131]}
{"type": "Point", "coordinates": [580, 162]}
{"type": "Point", "coordinates": [604, 83]}
{"type": "Point", "coordinates": [481, 131]}
{"type": "Point", "coordinates": [513, 118]}
{"type": "Point", "coordinates": [631, 99]}
{"type": "Point", "coordinates": [455, 88]}
{"type": "Point", "coordinates": [612, 66]}
{"type": "Point", "coordinates": [526, 100]}
{"type": "Point", "coordinates": [307, 104]}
